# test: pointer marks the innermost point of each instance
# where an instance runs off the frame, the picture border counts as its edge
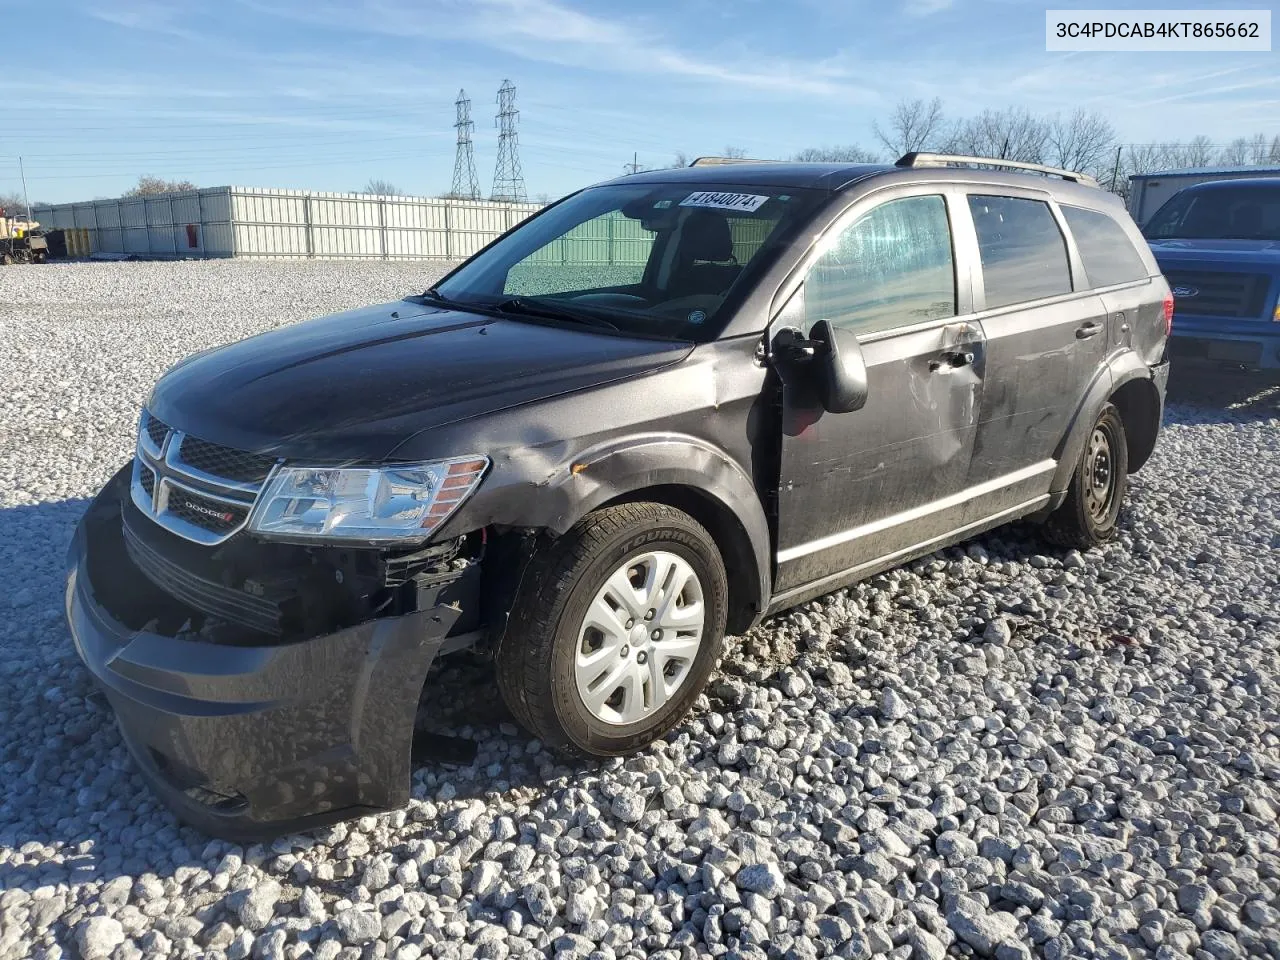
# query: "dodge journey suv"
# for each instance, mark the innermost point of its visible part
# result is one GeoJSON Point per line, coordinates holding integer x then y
{"type": "Point", "coordinates": [655, 412]}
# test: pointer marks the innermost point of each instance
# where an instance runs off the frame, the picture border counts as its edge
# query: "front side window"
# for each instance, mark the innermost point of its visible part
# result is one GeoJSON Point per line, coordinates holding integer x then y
{"type": "Point", "coordinates": [891, 267]}
{"type": "Point", "coordinates": [1220, 213]}
{"type": "Point", "coordinates": [1104, 246]}
{"type": "Point", "coordinates": [1024, 256]}
{"type": "Point", "coordinates": [650, 259]}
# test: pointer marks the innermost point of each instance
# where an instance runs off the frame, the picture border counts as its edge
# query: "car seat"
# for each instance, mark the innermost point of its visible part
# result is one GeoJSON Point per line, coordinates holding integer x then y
{"type": "Point", "coordinates": [704, 263]}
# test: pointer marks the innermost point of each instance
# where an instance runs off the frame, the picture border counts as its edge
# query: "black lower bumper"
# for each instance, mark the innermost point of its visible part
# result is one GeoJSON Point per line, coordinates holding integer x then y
{"type": "Point", "coordinates": [250, 742]}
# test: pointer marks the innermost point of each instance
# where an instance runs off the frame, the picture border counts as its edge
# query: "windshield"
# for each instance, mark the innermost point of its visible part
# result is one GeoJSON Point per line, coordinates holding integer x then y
{"type": "Point", "coordinates": [657, 260]}
{"type": "Point", "coordinates": [1223, 213]}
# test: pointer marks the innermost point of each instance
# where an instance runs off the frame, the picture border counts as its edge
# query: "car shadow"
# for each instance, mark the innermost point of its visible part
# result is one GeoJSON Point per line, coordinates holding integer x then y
{"type": "Point", "coordinates": [1200, 393]}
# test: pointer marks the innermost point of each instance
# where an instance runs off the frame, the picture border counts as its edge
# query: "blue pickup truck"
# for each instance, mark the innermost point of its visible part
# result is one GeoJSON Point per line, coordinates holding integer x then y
{"type": "Point", "coordinates": [1218, 244]}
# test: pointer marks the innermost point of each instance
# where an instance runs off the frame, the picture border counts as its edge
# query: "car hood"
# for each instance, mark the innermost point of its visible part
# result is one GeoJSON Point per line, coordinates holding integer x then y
{"type": "Point", "coordinates": [353, 386]}
{"type": "Point", "coordinates": [1264, 254]}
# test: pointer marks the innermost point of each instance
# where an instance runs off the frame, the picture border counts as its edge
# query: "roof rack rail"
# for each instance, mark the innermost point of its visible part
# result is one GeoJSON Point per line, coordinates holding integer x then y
{"type": "Point", "coordinates": [715, 161]}
{"type": "Point", "coordinates": [955, 160]}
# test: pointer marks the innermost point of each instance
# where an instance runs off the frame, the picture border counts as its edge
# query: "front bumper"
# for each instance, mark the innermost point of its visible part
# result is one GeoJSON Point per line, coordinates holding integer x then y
{"type": "Point", "coordinates": [250, 742]}
{"type": "Point", "coordinates": [1254, 343]}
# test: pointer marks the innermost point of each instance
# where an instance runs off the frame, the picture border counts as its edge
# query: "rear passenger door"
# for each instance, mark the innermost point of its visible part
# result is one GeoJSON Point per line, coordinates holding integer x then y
{"type": "Point", "coordinates": [1046, 336]}
{"type": "Point", "coordinates": [1114, 268]}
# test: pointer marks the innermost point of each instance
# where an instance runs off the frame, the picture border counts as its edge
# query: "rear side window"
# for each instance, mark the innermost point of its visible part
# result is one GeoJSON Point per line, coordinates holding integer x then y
{"type": "Point", "coordinates": [890, 268]}
{"type": "Point", "coordinates": [1105, 248]}
{"type": "Point", "coordinates": [1024, 256]}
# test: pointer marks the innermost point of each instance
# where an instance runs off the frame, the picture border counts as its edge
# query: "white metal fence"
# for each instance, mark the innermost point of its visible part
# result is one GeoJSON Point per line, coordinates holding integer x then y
{"type": "Point", "coordinates": [294, 224]}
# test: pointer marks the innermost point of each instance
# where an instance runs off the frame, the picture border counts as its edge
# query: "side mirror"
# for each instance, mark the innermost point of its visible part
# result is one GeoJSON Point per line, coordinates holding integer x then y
{"type": "Point", "coordinates": [829, 361]}
{"type": "Point", "coordinates": [843, 386]}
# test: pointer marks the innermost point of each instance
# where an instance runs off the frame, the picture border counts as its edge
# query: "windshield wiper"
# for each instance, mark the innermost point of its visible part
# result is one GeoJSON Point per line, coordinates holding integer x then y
{"type": "Point", "coordinates": [440, 298]}
{"type": "Point", "coordinates": [552, 311]}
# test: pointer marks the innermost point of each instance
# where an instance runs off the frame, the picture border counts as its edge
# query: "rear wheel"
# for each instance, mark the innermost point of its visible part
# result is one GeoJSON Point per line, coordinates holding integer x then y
{"type": "Point", "coordinates": [1088, 516]}
{"type": "Point", "coordinates": [615, 630]}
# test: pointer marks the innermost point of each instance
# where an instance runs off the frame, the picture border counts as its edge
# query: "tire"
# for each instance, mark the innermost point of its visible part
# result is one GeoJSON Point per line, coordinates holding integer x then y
{"type": "Point", "coordinates": [1087, 518]}
{"type": "Point", "coordinates": [551, 654]}
{"type": "Point", "coordinates": [6, 258]}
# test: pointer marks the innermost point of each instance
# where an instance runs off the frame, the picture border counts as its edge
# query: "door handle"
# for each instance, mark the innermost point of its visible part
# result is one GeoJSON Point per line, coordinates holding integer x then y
{"type": "Point", "coordinates": [950, 360]}
{"type": "Point", "coordinates": [1087, 330]}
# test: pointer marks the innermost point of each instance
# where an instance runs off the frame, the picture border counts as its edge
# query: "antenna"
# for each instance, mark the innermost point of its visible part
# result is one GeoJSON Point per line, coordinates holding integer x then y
{"type": "Point", "coordinates": [508, 181]}
{"type": "Point", "coordinates": [466, 185]}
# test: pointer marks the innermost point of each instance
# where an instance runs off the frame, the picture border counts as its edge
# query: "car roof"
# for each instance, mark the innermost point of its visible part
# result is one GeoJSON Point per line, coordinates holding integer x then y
{"type": "Point", "coordinates": [1270, 182]}
{"type": "Point", "coordinates": [823, 176]}
{"type": "Point", "coordinates": [838, 176]}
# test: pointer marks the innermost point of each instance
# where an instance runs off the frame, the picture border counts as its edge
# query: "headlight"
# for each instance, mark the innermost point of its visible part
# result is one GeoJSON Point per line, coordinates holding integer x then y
{"type": "Point", "coordinates": [390, 503]}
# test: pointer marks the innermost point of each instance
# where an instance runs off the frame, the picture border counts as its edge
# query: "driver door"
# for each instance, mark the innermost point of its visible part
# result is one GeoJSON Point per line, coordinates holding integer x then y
{"type": "Point", "coordinates": [858, 488]}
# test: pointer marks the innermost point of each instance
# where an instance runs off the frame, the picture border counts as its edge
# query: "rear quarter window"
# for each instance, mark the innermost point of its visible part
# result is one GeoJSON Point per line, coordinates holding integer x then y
{"type": "Point", "coordinates": [1024, 255]}
{"type": "Point", "coordinates": [1105, 247]}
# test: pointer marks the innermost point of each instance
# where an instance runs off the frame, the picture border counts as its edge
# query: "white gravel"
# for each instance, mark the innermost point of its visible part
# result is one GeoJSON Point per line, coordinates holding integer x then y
{"type": "Point", "coordinates": [997, 751]}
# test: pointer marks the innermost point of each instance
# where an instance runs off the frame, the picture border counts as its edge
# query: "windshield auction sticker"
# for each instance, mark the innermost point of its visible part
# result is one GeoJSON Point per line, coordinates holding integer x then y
{"type": "Point", "coordinates": [748, 202]}
{"type": "Point", "coordinates": [1158, 30]}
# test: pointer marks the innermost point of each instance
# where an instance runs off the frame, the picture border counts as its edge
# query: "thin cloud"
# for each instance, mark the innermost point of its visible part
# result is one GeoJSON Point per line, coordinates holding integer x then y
{"type": "Point", "coordinates": [551, 32]}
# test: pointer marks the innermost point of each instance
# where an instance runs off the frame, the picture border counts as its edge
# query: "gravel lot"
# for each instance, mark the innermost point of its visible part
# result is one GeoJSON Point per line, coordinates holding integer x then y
{"type": "Point", "coordinates": [1000, 750]}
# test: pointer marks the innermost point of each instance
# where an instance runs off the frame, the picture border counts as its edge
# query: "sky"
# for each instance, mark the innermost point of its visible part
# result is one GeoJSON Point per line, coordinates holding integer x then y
{"type": "Point", "coordinates": [327, 94]}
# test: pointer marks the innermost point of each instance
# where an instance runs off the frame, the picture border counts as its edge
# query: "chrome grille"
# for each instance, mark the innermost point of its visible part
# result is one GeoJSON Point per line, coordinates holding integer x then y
{"type": "Point", "coordinates": [224, 462]}
{"type": "Point", "coordinates": [1218, 293]}
{"type": "Point", "coordinates": [156, 430]}
{"type": "Point", "coordinates": [198, 490]}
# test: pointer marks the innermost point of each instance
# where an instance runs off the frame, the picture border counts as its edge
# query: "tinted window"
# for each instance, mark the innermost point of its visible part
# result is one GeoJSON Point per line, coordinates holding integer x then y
{"type": "Point", "coordinates": [1105, 248]}
{"type": "Point", "coordinates": [889, 268]}
{"type": "Point", "coordinates": [1023, 254]}
{"type": "Point", "coordinates": [1219, 213]}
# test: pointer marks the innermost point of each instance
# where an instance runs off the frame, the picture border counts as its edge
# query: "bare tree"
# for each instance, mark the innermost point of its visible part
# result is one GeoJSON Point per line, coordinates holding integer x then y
{"type": "Point", "coordinates": [1273, 153]}
{"type": "Point", "coordinates": [12, 203]}
{"type": "Point", "coordinates": [1010, 134]}
{"type": "Point", "coordinates": [847, 154]}
{"type": "Point", "coordinates": [1196, 152]}
{"type": "Point", "coordinates": [150, 185]}
{"type": "Point", "coordinates": [735, 153]}
{"type": "Point", "coordinates": [381, 188]}
{"type": "Point", "coordinates": [1259, 149]}
{"type": "Point", "coordinates": [1236, 153]}
{"type": "Point", "coordinates": [1084, 141]}
{"type": "Point", "coordinates": [915, 125]}
{"type": "Point", "coordinates": [681, 159]}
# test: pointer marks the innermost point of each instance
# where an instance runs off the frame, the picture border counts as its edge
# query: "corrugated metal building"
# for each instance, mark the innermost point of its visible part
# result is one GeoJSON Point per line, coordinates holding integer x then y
{"type": "Point", "coordinates": [1149, 191]}
{"type": "Point", "coordinates": [297, 224]}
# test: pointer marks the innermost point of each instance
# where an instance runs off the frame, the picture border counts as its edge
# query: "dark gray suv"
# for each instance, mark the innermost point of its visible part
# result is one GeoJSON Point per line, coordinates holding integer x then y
{"type": "Point", "coordinates": [659, 410]}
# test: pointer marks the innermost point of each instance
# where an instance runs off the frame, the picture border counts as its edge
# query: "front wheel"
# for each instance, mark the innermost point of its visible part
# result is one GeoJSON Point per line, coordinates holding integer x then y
{"type": "Point", "coordinates": [615, 630]}
{"type": "Point", "coordinates": [1087, 518]}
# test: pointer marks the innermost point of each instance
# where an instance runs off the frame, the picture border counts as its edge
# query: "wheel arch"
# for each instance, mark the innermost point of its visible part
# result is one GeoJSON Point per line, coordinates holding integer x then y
{"type": "Point", "coordinates": [1141, 410]}
{"type": "Point", "coordinates": [681, 471]}
{"type": "Point", "coordinates": [1127, 382]}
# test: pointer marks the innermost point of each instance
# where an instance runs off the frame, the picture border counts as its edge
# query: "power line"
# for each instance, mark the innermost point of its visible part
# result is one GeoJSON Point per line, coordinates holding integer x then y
{"type": "Point", "coordinates": [465, 182]}
{"type": "Point", "coordinates": [508, 181]}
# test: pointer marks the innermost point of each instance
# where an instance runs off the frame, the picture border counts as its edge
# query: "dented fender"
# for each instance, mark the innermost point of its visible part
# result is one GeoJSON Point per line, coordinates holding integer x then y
{"type": "Point", "coordinates": [529, 493]}
{"type": "Point", "coordinates": [1121, 368]}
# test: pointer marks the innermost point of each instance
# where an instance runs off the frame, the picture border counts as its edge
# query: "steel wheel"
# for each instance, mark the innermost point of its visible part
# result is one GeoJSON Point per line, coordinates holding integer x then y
{"type": "Point", "coordinates": [1100, 473]}
{"type": "Point", "coordinates": [640, 637]}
